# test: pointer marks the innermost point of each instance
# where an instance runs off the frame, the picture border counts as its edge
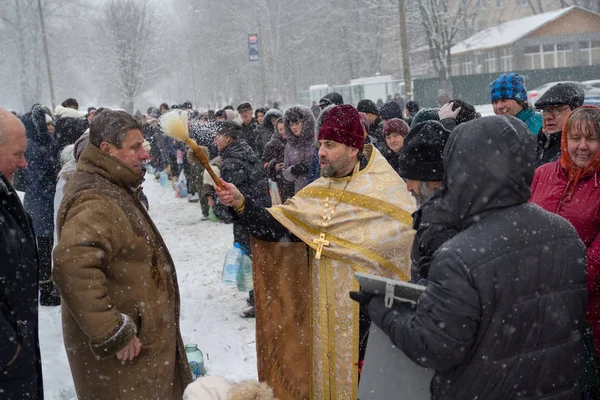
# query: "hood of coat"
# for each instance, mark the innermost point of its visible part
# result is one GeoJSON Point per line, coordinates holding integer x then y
{"type": "Point", "coordinates": [489, 164]}
{"type": "Point", "coordinates": [307, 136]}
{"type": "Point", "coordinates": [35, 125]}
{"type": "Point", "coordinates": [94, 161]}
{"type": "Point", "coordinates": [241, 150]}
{"type": "Point", "coordinates": [272, 113]}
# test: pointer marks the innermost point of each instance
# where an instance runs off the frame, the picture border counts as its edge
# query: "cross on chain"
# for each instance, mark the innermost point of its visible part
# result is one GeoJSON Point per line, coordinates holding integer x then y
{"type": "Point", "coordinates": [320, 242]}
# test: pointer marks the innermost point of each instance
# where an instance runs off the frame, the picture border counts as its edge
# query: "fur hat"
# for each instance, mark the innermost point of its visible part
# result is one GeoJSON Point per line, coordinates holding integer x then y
{"type": "Point", "coordinates": [342, 125]}
{"type": "Point", "coordinates": [331, 98]}
{"type": "Point", "coordinates": [509, 86]}
{"type": "Point", "coordinates": [66, 112]}
{"type": "Point", "coordinates": [569, 94]}
{"type": "Point", "coordinates": [413, 107]}
{"type": "Point", "coordinates": [425, 114]}
{"type": "Point", "coordinates": [390, 110]}
{"type": "Point", "coordinates": [217, 388]}
{"type": "Point", "coordinates": [421, 156]}
{"type": "Point", "coordinates": [367, 106]}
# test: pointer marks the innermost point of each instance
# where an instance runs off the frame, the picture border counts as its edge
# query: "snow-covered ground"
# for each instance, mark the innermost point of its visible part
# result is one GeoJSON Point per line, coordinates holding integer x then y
{"type": "Point", "coordinates": [209, 309]}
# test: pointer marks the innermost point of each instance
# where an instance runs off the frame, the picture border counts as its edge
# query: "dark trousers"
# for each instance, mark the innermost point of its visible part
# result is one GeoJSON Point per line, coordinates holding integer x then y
{"type": "Point", "coordinates": [45, 245]}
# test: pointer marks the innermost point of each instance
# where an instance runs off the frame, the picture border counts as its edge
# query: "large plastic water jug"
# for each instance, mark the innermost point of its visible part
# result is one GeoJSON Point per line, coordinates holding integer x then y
{"type": "Point", "coordinates": [244, 277]}
{"type": "Point", "coordinates": [232, 264]}
{"type": "Point", "coordinates": [164, 179]}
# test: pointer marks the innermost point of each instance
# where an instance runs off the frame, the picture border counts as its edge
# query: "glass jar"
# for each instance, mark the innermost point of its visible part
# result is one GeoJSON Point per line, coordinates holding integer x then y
{"type": "Point", "coordinates": [195, 360]}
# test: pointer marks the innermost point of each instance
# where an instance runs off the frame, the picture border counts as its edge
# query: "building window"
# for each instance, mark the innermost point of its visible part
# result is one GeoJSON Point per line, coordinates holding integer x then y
{"type": "Point", "coordinates": [564, 55]}
{"type": "Point", "coordinates": [590, 52]}
{"type": "Point", "coordinates": [506, 60]}
{"type": "Point", "coordinates": [456, 68]}
{"type": "Point", "coordinates": [548, 56]}
{"type": "Point", "coordinates": [467, 66]}
{"type": "Point", "coordinates": [532, 57]}
{"type": "Point", "coordinates": [490, 62]}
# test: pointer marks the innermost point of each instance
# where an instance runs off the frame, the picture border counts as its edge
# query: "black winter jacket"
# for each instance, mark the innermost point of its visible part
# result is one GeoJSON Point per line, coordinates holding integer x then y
{"type": "Point", "coordinates": [242, 168]}
{"type": "Point", "coordinates": [18, 301]}
{"type": "Point", "coordinates": [505, 301]}
{"type": "Point", "coordinates": [249, 135]}
{"type": "Point", "coordinates": [548, 147]}
{"type": "Point", "coordinates": [43, 157]}
{"type": "Point", "coordinates": [273, 155]}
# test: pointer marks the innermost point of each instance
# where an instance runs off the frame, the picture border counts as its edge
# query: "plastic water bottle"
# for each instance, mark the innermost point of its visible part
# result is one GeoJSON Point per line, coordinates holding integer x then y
{"type": "Point", "coordinates": [195, 360]}
{"type": "Point", "coordinates": [244, 278]}
{"type": "Point", "coordinates": [212, 217]}
{"type": "Point", "coordinates": [164, 179]}
{"type": "Point", "coordinates": [231, 266]}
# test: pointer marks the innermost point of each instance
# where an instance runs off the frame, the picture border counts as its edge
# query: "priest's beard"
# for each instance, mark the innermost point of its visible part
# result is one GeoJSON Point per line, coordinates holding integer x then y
{"type": "Point", "coordinates": [425, 193]}
{"type": "Point", "coordinates": [336, 168]}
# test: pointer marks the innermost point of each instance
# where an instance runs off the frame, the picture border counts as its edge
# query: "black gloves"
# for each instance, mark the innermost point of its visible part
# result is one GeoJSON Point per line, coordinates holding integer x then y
{"type": "Point", "coordinates": [299, 169]}
{"type": "Point", "coordinates": [363, 299]}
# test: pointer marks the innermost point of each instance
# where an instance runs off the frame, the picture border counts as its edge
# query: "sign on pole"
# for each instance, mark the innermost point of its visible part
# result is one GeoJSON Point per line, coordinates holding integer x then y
{"type": "Point", "coordinates": [253, 53]}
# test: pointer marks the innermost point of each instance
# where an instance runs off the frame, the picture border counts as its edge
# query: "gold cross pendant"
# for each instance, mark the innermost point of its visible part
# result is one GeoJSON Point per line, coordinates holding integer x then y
{"type": "Point", "coordinates": [320, 242]}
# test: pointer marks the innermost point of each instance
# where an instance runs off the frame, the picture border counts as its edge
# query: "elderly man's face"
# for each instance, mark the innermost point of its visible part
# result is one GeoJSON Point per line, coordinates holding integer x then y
{"type": "Point", "coordinates": [421, 190]}
{"type": "Point", "coordinates": [554, 118]}
{"type": "Point", "coordinates": [12, 147]}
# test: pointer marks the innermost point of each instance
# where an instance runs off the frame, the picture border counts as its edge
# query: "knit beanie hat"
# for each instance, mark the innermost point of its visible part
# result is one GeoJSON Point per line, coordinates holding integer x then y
{"type": "Point", "coordinates": [421, 156]}
{"type": "Point", "coordinates": [342, 125]}
{"type": "Point", "coordinates": [509, 86]}
{"type": "Point", "coordinates": [367, 106]}
{"type": "Point", "coordinates": [395, 125]}
{"type": "Point", "coordinates": [569, 94]}
{"type": "Point", "coordinates": [425, 114]}
{"type": "Point", "coordinates": [390, 110]}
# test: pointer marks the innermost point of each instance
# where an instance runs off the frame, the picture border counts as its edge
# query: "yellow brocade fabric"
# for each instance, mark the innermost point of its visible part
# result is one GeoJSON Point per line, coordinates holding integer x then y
{"type": "Point", "coordinates": [369, 232]}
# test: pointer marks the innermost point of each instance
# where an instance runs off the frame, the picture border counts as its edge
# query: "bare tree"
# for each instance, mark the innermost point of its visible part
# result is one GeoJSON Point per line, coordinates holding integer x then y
{"type": "Point", "coordinates": [128, 34]}
{"type": "Point", "coordinates": [445, 26]}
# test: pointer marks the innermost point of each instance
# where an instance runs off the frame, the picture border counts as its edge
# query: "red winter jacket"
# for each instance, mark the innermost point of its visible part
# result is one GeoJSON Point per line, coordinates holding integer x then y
{"type": "Point", "coordinates": [583, 212]}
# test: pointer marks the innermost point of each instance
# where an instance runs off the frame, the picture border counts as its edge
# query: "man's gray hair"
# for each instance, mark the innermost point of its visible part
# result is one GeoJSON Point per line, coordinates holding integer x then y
{"type": "Point", "coordinates": [111, 127]}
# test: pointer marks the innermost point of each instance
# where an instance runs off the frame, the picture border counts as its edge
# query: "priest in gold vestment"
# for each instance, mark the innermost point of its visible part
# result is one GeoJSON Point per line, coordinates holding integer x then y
{"type": "Point", "coordinates": [356, 217]}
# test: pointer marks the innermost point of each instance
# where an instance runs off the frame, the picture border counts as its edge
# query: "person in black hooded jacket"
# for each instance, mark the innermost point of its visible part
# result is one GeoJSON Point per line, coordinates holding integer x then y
{"type": "Point", "coordinates": [241, 166]}
{"type": "Point", "coordinates": [505, 300]}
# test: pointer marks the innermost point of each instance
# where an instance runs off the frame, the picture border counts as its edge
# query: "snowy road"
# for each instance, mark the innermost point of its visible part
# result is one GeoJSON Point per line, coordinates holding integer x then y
{"type": "Point", "coordinates": [209, 315]}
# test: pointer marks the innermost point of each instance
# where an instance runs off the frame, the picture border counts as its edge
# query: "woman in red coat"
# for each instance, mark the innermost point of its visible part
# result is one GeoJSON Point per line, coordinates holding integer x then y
{"type": "Point", "coordinates": [570, 188]}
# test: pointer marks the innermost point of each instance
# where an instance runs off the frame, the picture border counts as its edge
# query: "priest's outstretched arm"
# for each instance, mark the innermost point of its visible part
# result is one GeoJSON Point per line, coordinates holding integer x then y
{"type": "Point", "coordinates": [257, 219]}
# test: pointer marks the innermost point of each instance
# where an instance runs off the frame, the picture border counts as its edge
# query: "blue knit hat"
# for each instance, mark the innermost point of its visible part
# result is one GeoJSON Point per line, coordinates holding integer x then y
{"type": "Point", "coordinates": [509, 86]}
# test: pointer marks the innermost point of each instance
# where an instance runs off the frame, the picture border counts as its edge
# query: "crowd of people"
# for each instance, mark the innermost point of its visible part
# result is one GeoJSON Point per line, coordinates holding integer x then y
{"type": "Point", "coordinates": [497, 217]}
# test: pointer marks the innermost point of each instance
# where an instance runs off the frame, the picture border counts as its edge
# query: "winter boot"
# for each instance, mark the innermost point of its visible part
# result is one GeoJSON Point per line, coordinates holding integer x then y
{"type": "Point", "coordinates": [249, 313]}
